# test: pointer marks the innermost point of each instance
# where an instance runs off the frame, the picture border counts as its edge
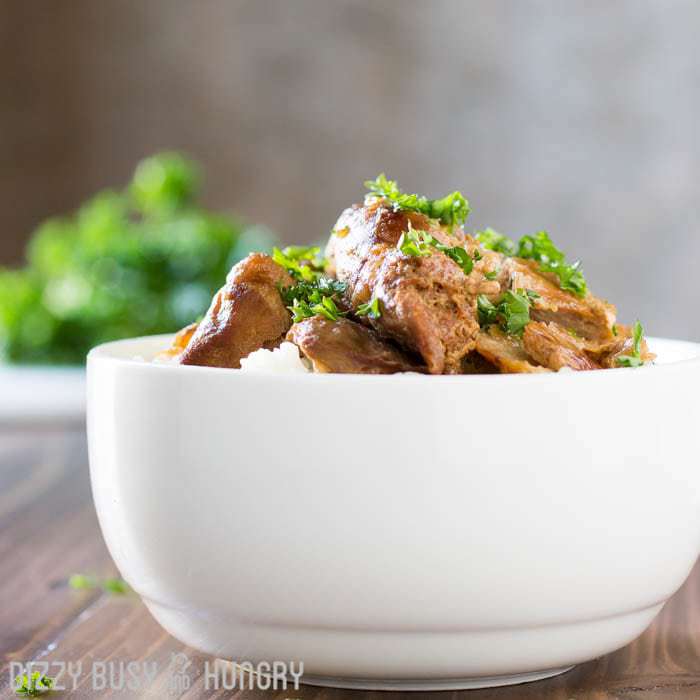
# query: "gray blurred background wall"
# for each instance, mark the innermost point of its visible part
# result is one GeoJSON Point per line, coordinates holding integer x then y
{"type": "Point", "coordinates": [580, 117]}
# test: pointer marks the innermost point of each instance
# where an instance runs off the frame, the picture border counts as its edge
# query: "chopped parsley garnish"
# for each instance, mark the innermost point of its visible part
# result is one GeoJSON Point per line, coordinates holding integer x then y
{"type": "Point", "coordinates": [415, 243]}
{"type": "Point", "coordinates": [31, 686]}
{"type": "Point", "coordinates": [538, 247]}
{"type": "Point", "coordinates": [312, 291]}
{"type": "Point", "coordinates": [326, 307]}
{"type": "Point", "coordinates": [450, 210]}
{"type": "Point", "coordinates": [488, 311]}
{"type": "Point", "coordinates": [302, 262]}
{"type": "Point", "coordinates": [492, 240]}
{"type": "Point", "coordinates": [421, 244]}
{"type": "Point", "coordinates": [614, 329]}
{"type": "Point", "coordinates": [370, 309]}
{"type": "Point", "coordinates": [459, 255]}
{"type": "Point", "coordinates": [635, 359]}
{"type": "Point", "coordinates": [307, 299]}
{"type": "Point", "coordinates": [491, 275]}
{"type": "Point", "coordinates": [512, 313]}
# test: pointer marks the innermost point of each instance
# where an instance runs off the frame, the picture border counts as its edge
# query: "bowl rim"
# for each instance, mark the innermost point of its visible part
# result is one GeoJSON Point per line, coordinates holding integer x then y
{"type": "Point", "coordinates": [107, 353]}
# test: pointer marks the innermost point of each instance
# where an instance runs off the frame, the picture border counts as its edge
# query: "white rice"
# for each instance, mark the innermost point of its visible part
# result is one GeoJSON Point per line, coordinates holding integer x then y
{"type": "Point", "coordinates": [282, 360]}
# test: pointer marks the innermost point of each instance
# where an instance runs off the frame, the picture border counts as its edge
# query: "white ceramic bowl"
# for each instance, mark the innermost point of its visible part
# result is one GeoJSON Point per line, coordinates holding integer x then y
{"type": "Point", "coordinates": [398, 531]}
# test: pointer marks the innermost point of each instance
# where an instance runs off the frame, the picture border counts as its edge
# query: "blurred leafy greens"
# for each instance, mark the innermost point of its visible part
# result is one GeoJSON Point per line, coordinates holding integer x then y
{"type": "Point", "coordinates": [140, 261]}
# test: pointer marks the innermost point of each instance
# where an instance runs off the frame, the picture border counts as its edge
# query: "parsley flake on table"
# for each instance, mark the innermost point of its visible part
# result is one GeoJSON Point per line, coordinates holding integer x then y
{"type": "Point", "coordinates": [84, 582]}
{"type": "Point", "coordinates": [33, 685]}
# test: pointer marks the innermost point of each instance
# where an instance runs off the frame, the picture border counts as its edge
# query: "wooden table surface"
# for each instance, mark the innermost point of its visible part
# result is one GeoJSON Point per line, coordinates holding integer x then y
{"type": "Point", "coordinates": [48, 531]}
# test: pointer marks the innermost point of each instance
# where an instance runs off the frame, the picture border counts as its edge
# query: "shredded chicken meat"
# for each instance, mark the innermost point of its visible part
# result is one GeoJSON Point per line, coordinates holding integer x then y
{"type": "Point", "coordinates": [438, 307]}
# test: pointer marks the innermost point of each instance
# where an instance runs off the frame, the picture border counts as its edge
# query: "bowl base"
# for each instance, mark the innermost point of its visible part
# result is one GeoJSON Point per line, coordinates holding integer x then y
{"type": "Point", "coordinates": [432, 684]}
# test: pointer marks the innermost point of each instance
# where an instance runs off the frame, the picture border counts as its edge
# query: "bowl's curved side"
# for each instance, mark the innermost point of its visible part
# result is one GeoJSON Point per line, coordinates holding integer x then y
{"type": "Point", "coordinates": [406, 528]}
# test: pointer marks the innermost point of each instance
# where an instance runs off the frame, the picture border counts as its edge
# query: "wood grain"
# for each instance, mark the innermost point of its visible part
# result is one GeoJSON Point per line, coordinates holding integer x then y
{"type": "Point", "coordinates": [48, 530]}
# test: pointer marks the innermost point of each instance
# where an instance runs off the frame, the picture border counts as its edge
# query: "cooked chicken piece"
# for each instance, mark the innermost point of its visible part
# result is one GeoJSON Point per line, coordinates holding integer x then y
{"type": "Point", "coordinates": [180, 341]}
{"type": "Point", "coordinates": [622, 344]}
{"type": "Point", "coordinates": [246, 314]}
{"type": "Point", "coordinates": [474, 363]}
{"type": "Point", "coordinates": [428, 304]}
{"type": "Point", "coordinates": [589, 317]}
{"type": "Point", "coordinates": [346, 347]}
{"type": "Point", "coordinates": [551, 346]}
{"type": "Point", "coordinates": [505, 352]}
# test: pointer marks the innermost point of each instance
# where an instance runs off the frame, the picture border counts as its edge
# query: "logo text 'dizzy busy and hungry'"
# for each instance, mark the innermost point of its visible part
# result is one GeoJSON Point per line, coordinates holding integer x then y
{"type": "Point", "coordinates": [179, 674]}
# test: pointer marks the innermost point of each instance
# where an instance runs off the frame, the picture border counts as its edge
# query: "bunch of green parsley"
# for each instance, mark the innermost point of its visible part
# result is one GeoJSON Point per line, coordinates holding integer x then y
{"type": "Point", "coordinates": [146, 259]}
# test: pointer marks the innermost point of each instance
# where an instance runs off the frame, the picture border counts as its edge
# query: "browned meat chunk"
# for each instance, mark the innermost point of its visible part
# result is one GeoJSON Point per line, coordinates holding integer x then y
{"type": "Point", "coordinates": [346, 347]}
{"type": "Point", "coordinates": [551, 346]}
{"type": "Point", "coordinates": [428, 304]}
{"type": "Point", "coordinates": [505, 352]}
{"type": "Point", "coordinates": [474, 363]}
{"type": "Point", "coordinates": [589, 317]}
{"type": "Point", "coordinates": [246, 314]}
{"type": "Point", "coordinates": [622, 344]}
{"type": "Point", "coordinates": [180, 341]}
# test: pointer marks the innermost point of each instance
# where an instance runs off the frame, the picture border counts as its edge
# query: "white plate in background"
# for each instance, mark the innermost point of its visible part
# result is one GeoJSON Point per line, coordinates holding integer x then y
{"type": "Point", "coordinates": [42, 394]}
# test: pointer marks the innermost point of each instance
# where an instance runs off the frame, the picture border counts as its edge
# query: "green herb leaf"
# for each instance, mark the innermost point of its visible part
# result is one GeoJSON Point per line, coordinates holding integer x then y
{"type": "Point", "coordinates": [416, 243]}
{"type": "Point", "coordinates": [300, 310]}
{"type": "Point", "coordinates": [450, 210]}
{"type": "Point", "coordinates": [302, 262]}
{"type": "Point", "coordinates": [491, 275]}
{"type": "Point", "coordinates": [635, 359]}
{"type": "Point", "coordinates": [33, 685]}
{"type": "Point", "coordinates": [81, 582]}
{"type": "Point", "coordinates": [540, 247]}
{"type": "Point", "coordinates": [488, 311]}
{"type": "Point", "coordinates": [459, 255]}
{"type": "Point", "coordinates": [421, 244]}
{"type": "Point", "coordinates": [313, 291]}
{"type": "Point", "coordinates": [306, 299]}
{"type": "Point", "coordinates": [492, 240]}
{"type": "Point", "coordinates": [370, 309]}
{"type": "Point", "coordinates": [512, 312]}
{"type": "Point", "coordinates": [515, 309]}
{"type": "Point", "coordinates": [115, 586]}
{"type": "Point", "coordinates": [325, 307]}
